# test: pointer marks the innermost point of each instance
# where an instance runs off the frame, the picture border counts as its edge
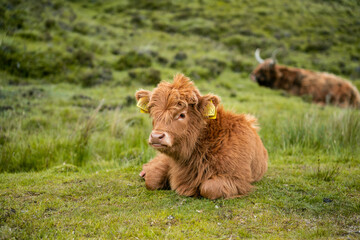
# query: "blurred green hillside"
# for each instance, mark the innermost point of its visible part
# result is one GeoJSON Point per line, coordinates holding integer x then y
{"type": "Point", "coordinates": [122, 42]}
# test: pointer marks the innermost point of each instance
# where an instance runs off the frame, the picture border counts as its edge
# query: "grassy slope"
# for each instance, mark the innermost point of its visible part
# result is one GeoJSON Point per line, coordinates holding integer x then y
{"type": "Point", "coordinates": [311, 189]}
{"type": "Point", "coordinates": [114, 203]}
{"type": "Point", "coordinates": [288, 203]}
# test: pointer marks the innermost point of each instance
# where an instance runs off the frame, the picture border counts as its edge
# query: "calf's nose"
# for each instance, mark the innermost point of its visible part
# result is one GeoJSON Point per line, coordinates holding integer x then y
{"type": "Point", "coordinates": [160, 139]}
{"type": "Point", "coordinates": [156, 137]}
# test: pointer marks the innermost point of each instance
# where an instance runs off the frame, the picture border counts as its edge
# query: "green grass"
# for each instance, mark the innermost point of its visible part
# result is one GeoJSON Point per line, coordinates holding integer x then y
{"type": "Point", "coordinates": [72, 141]}
{"type": "Point", "coordinates": [288, 203]}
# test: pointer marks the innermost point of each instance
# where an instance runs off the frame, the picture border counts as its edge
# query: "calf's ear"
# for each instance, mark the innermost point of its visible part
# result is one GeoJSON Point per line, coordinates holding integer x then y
{"type": "Point", "coordinates": [142, 93]}
{"type": "Point", "coordinates": [210, 97]}
{"type": "Point", "coordinates": [208, 105]}
{"type": "Point", "coordinates": [143, 98]}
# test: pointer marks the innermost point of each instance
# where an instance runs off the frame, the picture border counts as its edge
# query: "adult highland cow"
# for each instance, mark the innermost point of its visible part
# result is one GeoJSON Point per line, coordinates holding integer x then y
{"type": "Point", "coordinates": [203, 150]}
{"type": "Point", "coordinates": [323, 88]}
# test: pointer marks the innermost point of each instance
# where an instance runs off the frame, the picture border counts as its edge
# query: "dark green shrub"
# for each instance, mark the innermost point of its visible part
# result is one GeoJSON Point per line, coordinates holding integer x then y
{"type": "Point", "coordinates": [115, 9]}
{"type": "Point", "coordinates": [4, 139]}
{"type": "Point", "coordinates": [356, 73]}
{"type": "Point", "coordinates": [30, 64]}
{"type": "Point", "coordinates": [138, 20]}
{"type": "Point", "coordinates": [318, 46]}
{"type": "Point", "coordinates": [83, 28]}
{"type": "Point", "coordinates": [31, 35]}
{"type": "Point", "coordinates": [198, 72]}
{"type": "Point", "coordinates": [95, 77]}
{"type": "Point", "coordinates": [50, 23]}
{"type": "Point", "coordinates": [151, 4]}
{"type": "Point", "coordinates": [202, 27]}
{"type": "Point", "coordinates": [162, 60]}
{"type": "Point", "coordinates": [180, 56]}
{"type": "Point", "coordinates": [178, 64]}
{"type": "Point", "coordinates": [248, 44]}
{"type": "Point", "coordinates": [133, 60]}
{"type": "Point", "coordinates": [84, 58]}
{"type": "Point", "coordinates": [13, 20]}
{"type": "Point", "coordinates": [33, 93]}
{"type": "Point", "coordinates": [164, 26]}
{"type": "Point", "coordinates": [129, 100]}
{"type": "Point", "coordinates": [145, 76]}
{"type": "Point", "coordinates": [215, 67]}
{"type": "Point", "coordinates": [241, 65]}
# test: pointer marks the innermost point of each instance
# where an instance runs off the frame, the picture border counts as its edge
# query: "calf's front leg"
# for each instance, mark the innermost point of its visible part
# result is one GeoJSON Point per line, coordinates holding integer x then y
{"type": "Point", "coordinates": [155, 173]}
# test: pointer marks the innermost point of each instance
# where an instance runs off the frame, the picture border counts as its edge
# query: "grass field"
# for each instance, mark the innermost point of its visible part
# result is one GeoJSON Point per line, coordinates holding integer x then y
{"type": "Point", "coordinates": [72, 141]}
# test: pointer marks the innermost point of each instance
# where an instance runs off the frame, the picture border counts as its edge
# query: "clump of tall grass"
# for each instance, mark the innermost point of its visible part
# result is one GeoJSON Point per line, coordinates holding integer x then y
{"type": "Point", "coordinates": [128, 134]}
{"type": "Point", "coordinates": [106, 138]}
{"type": "Point", "coordinates": [81, 144]}
{"type": "Point", "coordinates": [116, 128]}
{"type": "Point", "coordinates": [34, 152]}
{"type": "Point", "coordinates": [334, 133]}
{"type": "Point", "coordinates": [325, 173]}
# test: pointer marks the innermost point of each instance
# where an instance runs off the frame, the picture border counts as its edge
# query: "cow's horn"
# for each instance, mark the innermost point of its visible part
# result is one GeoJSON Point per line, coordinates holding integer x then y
{"type": "Point", "coordinates": [257, 56]}
{"type": "Point", "coordinates": [273, 55]}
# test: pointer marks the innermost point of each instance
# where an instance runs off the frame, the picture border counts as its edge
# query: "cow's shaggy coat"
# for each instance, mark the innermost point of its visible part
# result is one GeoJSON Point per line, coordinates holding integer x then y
{"type": "Point", "coordinates": [198, 156]}
{"type": "Point", "coordinates": [322, 88]}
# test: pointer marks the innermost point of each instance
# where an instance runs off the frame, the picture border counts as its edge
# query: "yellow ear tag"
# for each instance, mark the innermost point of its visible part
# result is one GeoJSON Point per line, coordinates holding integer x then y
{"type": "Point", "coordinates": [143, 104]}
{"type": "Point", "coordinates": [210, 110]}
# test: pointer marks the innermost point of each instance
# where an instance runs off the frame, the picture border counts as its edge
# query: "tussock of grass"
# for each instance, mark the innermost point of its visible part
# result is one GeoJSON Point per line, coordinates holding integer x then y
{"type": "Point", "coordinates": [85, 134]}
{"type": "Point", "coordinates": [334, 134]}
{"type": "Point", "coordinates": [326, 174]}
{"type": "Point", "coordinates": [67, 135]}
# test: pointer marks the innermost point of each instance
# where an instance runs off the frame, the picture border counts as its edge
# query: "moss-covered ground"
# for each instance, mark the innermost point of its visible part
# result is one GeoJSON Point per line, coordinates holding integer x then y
{"type": "Point", "coordinates": [72, 141]}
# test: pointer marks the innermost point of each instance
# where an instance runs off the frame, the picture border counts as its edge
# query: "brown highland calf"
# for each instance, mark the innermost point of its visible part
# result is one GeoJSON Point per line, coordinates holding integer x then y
{"type": "Point", "coordinates": [323, 88]}
{"type": "Point", "coordinates": [203, 149]}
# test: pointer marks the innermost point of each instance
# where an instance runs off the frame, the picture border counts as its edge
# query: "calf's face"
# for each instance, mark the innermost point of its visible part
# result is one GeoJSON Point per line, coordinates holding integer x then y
{"type": "Point", "coordinates": [178, 112]}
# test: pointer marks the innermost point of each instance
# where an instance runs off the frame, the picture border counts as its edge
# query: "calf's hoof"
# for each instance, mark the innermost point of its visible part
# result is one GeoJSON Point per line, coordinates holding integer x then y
{"type": "Point", "coordinates": [142, 174]}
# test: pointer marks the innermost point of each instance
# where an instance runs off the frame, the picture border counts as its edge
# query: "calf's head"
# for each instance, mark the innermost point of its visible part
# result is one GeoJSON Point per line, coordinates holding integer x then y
{"type": "Point", "coordinates": [265, 73]}
{"type": "Point", "coordinates": [179, 114]}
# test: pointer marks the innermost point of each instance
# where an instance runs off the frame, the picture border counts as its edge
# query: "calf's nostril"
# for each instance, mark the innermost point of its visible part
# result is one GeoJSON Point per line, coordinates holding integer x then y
{"type": "Point", "coordinates": [157, 135]}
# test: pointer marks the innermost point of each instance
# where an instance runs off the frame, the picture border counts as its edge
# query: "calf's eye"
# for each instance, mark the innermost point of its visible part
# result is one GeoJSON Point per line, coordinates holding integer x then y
{"type": "Point", "coordinates": [180, 116]}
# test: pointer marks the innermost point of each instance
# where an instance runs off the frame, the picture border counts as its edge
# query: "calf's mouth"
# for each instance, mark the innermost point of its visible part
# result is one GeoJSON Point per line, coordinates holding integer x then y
{"type": "Point", "coordinates": [158, 145]}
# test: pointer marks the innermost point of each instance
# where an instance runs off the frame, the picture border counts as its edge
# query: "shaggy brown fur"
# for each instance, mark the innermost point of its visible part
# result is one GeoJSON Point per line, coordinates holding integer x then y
{"type": "Point", "coordinates": [198, 156]}
{"type": "Point", "coordinates": [323, 88]}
